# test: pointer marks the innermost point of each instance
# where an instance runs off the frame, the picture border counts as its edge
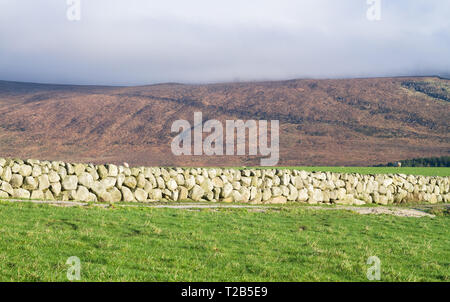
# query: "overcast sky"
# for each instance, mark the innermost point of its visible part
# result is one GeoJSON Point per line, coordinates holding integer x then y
{"type": "Point", "coordinates": [136, 42]}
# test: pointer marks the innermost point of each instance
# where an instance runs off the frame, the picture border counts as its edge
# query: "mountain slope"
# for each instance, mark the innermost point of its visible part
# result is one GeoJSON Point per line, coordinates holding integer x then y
{"type": "Point", "coordinates": [322, 122]}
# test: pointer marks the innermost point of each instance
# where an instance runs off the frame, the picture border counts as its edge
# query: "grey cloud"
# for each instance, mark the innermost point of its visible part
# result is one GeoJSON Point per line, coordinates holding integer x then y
{"type": "Point", "coordinates": [142, 42]}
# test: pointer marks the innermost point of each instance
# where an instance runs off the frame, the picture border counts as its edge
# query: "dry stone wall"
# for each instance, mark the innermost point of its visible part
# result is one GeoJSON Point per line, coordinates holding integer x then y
{"type": "Point", "coordinates": [56, 180]}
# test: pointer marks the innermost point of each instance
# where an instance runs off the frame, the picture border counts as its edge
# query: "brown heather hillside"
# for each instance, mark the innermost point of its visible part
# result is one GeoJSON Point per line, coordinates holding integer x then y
{"type": "Point", "coordinates": [322, 122]}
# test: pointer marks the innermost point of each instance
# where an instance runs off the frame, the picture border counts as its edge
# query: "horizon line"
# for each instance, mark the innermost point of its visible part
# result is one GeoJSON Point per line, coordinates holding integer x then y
{"type": "Point", "coordinates": [444, 77]}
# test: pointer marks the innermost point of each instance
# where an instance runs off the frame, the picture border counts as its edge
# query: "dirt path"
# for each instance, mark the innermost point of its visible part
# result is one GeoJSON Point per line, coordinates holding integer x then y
{"type": "Point", "coordinates": [395, 211]}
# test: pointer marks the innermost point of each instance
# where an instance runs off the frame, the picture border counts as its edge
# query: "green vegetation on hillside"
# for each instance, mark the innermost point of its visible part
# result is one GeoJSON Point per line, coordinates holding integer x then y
{"type": "Point", "coordinates": [443, 161]}
{"type": "Point", "coordinates": [425, 171]}
{"type": "Point", "coordinates": [284, 244]}
{"type": "Point", "coordinates": [435, 89]}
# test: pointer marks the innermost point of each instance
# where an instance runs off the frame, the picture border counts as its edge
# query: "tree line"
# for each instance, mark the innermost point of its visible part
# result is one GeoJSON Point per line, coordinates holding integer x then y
{"type": "Point", "coordinates": [443, 161]}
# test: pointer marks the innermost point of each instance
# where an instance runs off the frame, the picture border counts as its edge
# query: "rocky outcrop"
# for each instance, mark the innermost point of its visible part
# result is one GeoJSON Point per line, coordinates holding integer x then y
{"type": "Point", "coordinates": [55, 180]}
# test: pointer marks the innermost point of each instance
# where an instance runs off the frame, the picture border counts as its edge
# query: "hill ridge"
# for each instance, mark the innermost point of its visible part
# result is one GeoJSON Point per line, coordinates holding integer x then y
{"type": "Point", "coordinates": [363, 121]}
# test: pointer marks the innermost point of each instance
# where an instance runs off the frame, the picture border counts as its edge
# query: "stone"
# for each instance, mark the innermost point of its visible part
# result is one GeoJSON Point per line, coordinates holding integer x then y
{"type": "Point", "coordinates": [253, 192]}
{"type": "Point", "coordinates": [104, 197]}
{"type": "Point", "coordinates": [284, 190]}
{"type": "Point", "coordinates": [293, 193]}
{"type": "Point", "coordinates": [303, 195]}
{"type": "Point", "coordinates": [227, 190]}
{"type": "Point", "coordinates": [147, 186]}
{"type": "Point", "coordinates": [278, 200]}
{"type": "Point", "coordinates": [98, 188]}
{"type": "Point", "coordinates": [102, 171]}
{"type": "Point", "coordinates": [175, 195]}
{"type": "Point", "coordinates": [179, 178]}
{"type": "Point", "coordinates": [199, 179]}
{"type": "Point", "coordinates": [172, 185]}
{"type": "Point", "coordinates": [15, 168]}
{"type": "Point", "coordinates": [141, 181]}
{"type": "Point", "coordinates": [156, 194]}
{"type": "Point", "coordinates": [197, 193]}
{"type": "Point", "coordinates": [116, 195]}
{"type": "Point", "coordinates": [387, 182]}
{"type": "Point", "coordinates": [190, 182]}
{"type": "Point", "coordinates": [48, 195]}
{"type": "Point", "coordinates": [127, 195]}
{"type": "Point", "coordinates": [113, 171]}
{"type": "Point", "coordinates": [246, 181]}
{"type": "Point", "coordinates": [64, 196]}
{"type": "Point", "coordinates": [6, 187]}
{"type": "Point", "coordinates": [127, 171]}
{"type": "Point", "coordinates": [341, 194]}
{"type": "Point", "coordinates": [217, 182]}
{"type": "Point", "coordinates": [276, 191]}
{"type": "Point", "coordinates": [237, 196]}
{"type": "Point", "coordinates": [92, 197]}
{"type": "Point", "coordinates": [62, 181]}
{"type": "Point", "coordinates": [446, 198]}
{"type": "Point", "coordinates": [140, 195]}
{"type": "Point", "coordinates": [21, 193]}
{"type": "Point", "coordinates": [82, 193]}
{"type": "Point", "coordinates": [258, 197]}
{"type": "Point", "coordinates": [433, 199]}
{"type": "Point", "coordinates": [85, 179]}
{"type": "Point", "coordinates": [37, 194]}
{"type": "Point", "coordinates": [78, 169]}
{"type": "Point", "coordinates": [382, 190]}
{"type": "Point", "coordinates": [120, 180]}
{"type": "Point", "coordinates": [30, 183]}
{"type": "Point", "coordinates": [70, 182]}
{"type": "Point", "coordinates": [135, 171]}
{"type": "Point", "coordinates": [339, 183]}
{"type": "Point", "coordinates": [3, 194]}
{"type": "Point", "coordinates": [16, 181]}
{"type": "Point", "coordinates": [62, 172]}
{"type": "Point", "coordinates": [25, 170]}
{"type": "Point", "coordinates": [317, 195]}
{"type": "Point", "coordinates": [53, 176]}
{"type": "Point", "coordinates": [245, 193]}
{"type": "Point", "coordinates": [7, 174]}
{"type": "Point", "coordinates": [326, 196]}
{"type": "Point", "coordinates": [130, 182]}
{"type": "Point", "coordinates": [94, 174]}
{"type": "Point", "coordinates": [359, 188]}
{"type": "Point", "coordinates": [70, 169]}
{"type": "Point", "coordinates": [359, 202]}
{"type": "Point", "coordinates": [303, 174]}
{"type": "Point", "coordinates": [108, 182]}
{"type": "Point", "coordinates": [382, 200]}
{"type": "Point", "coordinates": [212, 173]}
{"type": "Point", "coordinates": [56, 188]}
{"type": "Point", "coordinates": [266, 194]}
{"type": "Point", "coordinates": [207, 185]}
{"type": "Point", "coordinates": [183, 193]}
{"type": "Point", "coordinates": [44, 182]}
{"type": "Point", "coordinates": [348, 199]}
{"type": "Point", "coordinates": [36, 171]}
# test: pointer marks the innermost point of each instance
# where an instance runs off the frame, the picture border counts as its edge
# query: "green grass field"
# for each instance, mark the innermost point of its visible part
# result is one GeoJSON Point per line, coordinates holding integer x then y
{"type": "Point", "coordinates": [283, 244]}
{"type": "Point", "coordinates": [432, 171]}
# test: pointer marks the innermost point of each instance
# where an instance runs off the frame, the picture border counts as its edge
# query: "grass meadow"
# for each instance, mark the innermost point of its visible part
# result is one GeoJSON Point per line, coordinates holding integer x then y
{"type": "Point", "coordinates": [278, 244]}
{"type": "Point", "coordinates": [425, 171]}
